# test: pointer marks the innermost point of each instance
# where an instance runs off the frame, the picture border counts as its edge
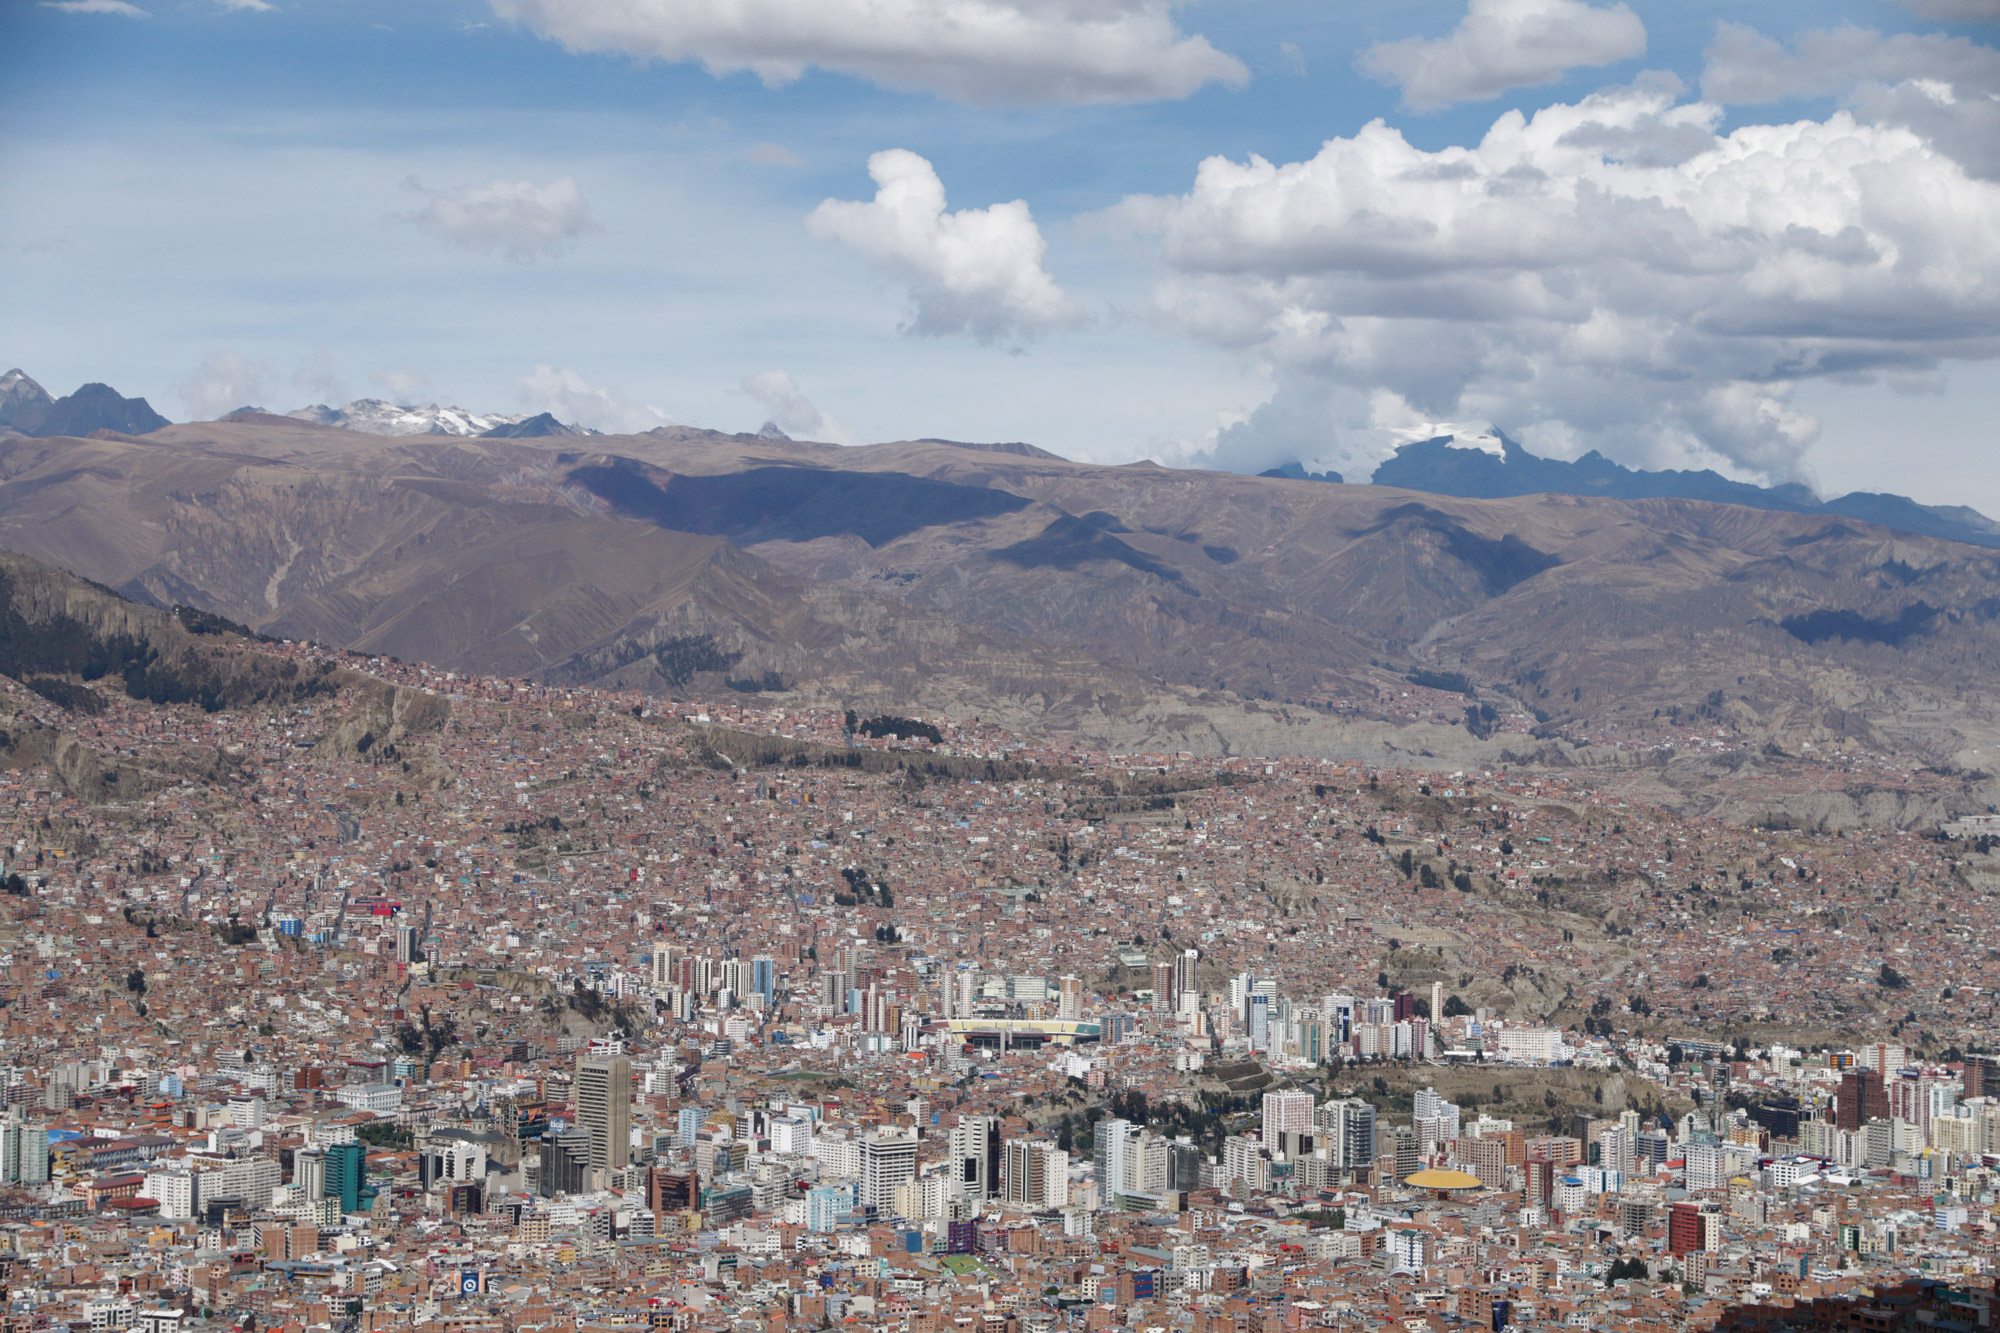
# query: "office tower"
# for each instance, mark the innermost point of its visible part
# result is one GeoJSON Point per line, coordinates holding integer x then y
{"type": "Point", "coordinates": [663, 968]}
{"type": "Point", "coordinates": [1861, 1098]}
{"type": "Point", "coordinates": [1071, 1004]}
{"type": "Point", "coordinates": [975, 1157]}
{"type": "Point", "coordinates": [1982, 1076]}
{"type": "Point", "coordinates": [565, 1164]}
{"type": "Point", "coordinates": [1036, 1174]}
{"type": "Point", "coordinates": [346, 1174]}
{"type": "Point", "coordinates": [1286, 1113]}
{"type": "Point", "coordinates": [1243, 1159]}
{"type": "Point", "coordinates": [1437, 1003]}
{"type": "Point", "coordinates": [827, 1204]}
{"type": "Point", "coordinates": [1163, 986]}
{"type": "Point", "coordinates": [1108, 1154]}
{"type": "Point", "coordinates": [1187, 971]}
{"type": "Point", "coordinates": [1259, 1022]}
{"type": "Point", "coordinates": [24, 1153]}
{"type": "Point", "coordinates": [1407, 1150]}
{"type": "Point", "coordinates": [1348, 1129]}
{"type": "Point", "coordinates": [309, 1174]}
{"type": "Point", "coordinates": [1684, 1229]}
{"type": "Point", "coordinates": [763, 977]}
{"type": "Point", "coordinates": [888, 1158]}
{"type": "Point", "coordinates": [406, 945]}
{"type": "Point", "coordinates": [604, 1108]}
{"type": "Point", "coordinates": [1406, 1007]}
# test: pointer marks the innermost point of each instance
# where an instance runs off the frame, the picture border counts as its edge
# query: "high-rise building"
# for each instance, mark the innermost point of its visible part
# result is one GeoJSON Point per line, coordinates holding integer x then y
{"type": "Point", "coordinates": [407, 949]}
{"type": "Point", "coordinates": [1861, 1098]}
{"type": "Point", "coordinates": [1163, 986]}
{"type": "Point", "coordinates": [975, 1157]}
{"type": "Point", "coordinates": [24, 1153]}
{"type": "Point", "coordinates": [1070, 1006]}
{"type": "Point", "coordinates": [1036, 1174]}
{"type": "Point", "coordinates": [309, 1174]}
{"type": "Point", "coordinates": [1348, 1129]}
{"type": "Point", "coordinates": [888, 1158]}
{"type": "Point", "coordinates": [1982, 1076]}
{"type": "Point", "coordinates": [565, 1164]}
{"type": "Point", "coordinates": [1108, 1154]}
{"type": "Point", "coordinates": [346, 1175]}
{"type": "Point", "coordinates": [1286, 1113]}
{"type": "Point", "coordinates": [604, 1108]}
{"type": "Point", "coordinates": [763, 977]}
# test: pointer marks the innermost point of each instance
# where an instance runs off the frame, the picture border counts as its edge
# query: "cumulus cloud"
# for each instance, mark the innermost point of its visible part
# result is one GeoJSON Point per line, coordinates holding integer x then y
{"type": "Point", "coordinates": [573, 399]}
{"type": "Point", "coordinates": [790, 410]}
{"type": "Point", "coordinates": [518, 220]}
{"type": "Point", "coordinates": [118, 7]}
{"type": "Point", "coordinates": [1945, 88]}
{"type": "Point", "coordinates": [984, 52]}
{"type": "Point", "coordinates": [976, 271]}
{"type": "Point", "coordinates": [223, 382]}
{"type": "Point", "coordinates": [1503, 44]}
{"type": "Point", "coordinates": [1612, 273]}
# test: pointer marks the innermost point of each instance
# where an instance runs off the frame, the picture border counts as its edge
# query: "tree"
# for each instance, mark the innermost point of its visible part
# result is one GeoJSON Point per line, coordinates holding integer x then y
{"type": "Point", "coordinates": [1890, 979]}
{"type": "Point", "coordinates": [136, 982]}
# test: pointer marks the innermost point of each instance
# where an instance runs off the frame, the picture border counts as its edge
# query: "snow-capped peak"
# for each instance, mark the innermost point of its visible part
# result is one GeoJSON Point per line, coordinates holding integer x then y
{"type": "Point", "coordinates": [372, 416]}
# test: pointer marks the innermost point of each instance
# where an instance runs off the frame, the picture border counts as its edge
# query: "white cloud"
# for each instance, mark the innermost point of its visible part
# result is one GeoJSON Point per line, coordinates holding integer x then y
{"type": "Point", "coordinates": [1607, 274]}
{"type": "Point", "coordinates": [223, 382]}
{"type": "Point", "coordinates": [983, 52]}
{"type": "Point", "coordinates": [118, 7]}
{"type": "Point", "coordinates": [517, 219]}
{"type": "Point", "coordinates": [1945, 88]}
{"type": "Point", "coordinates": [247, 6]}
{"type": "Point", "coordinates": [1503, 44]}
{"type": "Point", "coordinates": [976, 271]}
{"type": "Point", "coordinates": [789, 408]}
{"type": "Point", "coordinates": [317, 378]}
{"type": "Point", "coordinates": [574, 400]}
{"type": "Point", "coordinates": [770, 155]}
{"type": "Point", "coordinates": [1744, 66]}
{"type": "Point", "coordinates": [402, 385]}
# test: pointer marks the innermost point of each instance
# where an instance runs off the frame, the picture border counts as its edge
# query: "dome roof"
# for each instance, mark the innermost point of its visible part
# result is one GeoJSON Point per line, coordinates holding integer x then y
{"type": "Point", "coordinates": [1436, 1179]}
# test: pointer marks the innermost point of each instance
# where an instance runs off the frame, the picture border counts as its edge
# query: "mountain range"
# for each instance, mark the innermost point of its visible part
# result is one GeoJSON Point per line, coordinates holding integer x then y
{"type": "Point", "coordinates": [1134, 607]}
{"type": "Point", "coordinates": [372, 416]}
{"type": "Point", "coordinates": [26, 407]}
{"type": "Point", "coordinates": [1444, 468]}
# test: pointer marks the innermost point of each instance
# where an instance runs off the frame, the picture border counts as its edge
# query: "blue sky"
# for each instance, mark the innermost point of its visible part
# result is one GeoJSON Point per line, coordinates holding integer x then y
{"type": "Point", "coordinates": [289, 201]}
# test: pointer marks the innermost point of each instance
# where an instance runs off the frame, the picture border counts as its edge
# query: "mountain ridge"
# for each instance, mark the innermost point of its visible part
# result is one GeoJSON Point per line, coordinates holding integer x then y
{"type": "Point", "coordinates": [1441, 468]}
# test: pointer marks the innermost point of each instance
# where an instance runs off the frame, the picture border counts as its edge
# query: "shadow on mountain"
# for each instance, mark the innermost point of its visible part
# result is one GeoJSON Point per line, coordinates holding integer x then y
{"type": "Point", "coordinates": [791, 504]}
{"type": "Point", "coordinates": [1500, 563]}
{"type": "Point", "coordinates": [1070, 542]}
{"type": "Point", "coordinates": [1821, 625]}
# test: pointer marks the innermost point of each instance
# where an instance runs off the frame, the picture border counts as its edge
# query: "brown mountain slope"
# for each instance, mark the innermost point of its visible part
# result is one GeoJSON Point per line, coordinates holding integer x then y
{"type": "Point", "coordinates": [1139, 604]}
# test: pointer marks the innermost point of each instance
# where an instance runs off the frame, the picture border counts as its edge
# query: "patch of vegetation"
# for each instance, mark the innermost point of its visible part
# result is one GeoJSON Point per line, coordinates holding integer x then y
{"type": "Point", "coordinates": [768, 683]}
{"type": "Point", "coordinates": [900, 728]}
{"type": "Point", "coordinates": [1455, 682]}
{"type": "Point", "coordinates": [61, 645]}
{"type": "Point", "coordinates": [679, 658]}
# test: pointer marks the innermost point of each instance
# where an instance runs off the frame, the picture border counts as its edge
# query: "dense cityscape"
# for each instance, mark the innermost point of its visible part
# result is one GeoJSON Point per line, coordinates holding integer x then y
{"type": "Point", "coordinates": [565, 1009]}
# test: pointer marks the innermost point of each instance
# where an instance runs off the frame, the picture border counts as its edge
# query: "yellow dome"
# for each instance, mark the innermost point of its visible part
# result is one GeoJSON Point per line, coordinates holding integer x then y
{"type": "Point", "coordinates": [1443, 1180]}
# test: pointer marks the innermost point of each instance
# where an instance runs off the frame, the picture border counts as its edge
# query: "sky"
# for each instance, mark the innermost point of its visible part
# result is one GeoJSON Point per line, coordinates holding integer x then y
{"type": "Point", "coordinates": [1764, 239]}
